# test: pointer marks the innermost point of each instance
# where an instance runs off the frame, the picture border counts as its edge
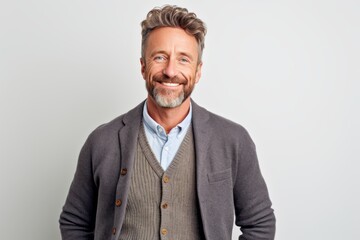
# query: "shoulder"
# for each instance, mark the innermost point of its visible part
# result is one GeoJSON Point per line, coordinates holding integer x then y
{"type": "Point", "coordinates": [231, 133]}
{"type": "Point", "coordinates": [108, 132]}
{"type": "Point", "coordinates": [222, 131]}
{"type": "Point", "coordinates": [221, 127]}
{"type": "Point", "coordinates": [225, 125]}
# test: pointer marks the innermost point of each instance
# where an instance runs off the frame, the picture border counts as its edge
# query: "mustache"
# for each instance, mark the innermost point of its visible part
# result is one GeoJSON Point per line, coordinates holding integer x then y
{"type": "Point", "coordinates": [163, 78]}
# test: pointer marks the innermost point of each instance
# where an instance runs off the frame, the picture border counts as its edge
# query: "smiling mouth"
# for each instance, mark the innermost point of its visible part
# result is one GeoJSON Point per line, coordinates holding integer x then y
{"type": "Point", "coordinates": [170, 84]}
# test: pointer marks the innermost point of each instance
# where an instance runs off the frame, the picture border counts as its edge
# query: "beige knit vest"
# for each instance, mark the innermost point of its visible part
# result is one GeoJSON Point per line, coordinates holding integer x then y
{"type": "Point", "coordinates": [163, 204]}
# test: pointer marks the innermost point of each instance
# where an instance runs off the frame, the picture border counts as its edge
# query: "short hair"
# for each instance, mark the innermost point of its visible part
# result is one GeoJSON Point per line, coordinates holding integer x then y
{"type": "Point", "coordinates": [173, 16]}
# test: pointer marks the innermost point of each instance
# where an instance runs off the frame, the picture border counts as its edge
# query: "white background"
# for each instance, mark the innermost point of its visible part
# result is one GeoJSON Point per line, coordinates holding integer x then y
{"type": "Point", "coordinates": [286, 70]}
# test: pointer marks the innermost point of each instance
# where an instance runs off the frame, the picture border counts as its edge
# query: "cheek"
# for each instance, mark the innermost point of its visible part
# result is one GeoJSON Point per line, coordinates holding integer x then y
{"type": "Point", "coordinates": [147, 73]}
{"type": "Point", "coordinates": [190, 76]}
{"type": "Point", "coordinates": [151, 71]}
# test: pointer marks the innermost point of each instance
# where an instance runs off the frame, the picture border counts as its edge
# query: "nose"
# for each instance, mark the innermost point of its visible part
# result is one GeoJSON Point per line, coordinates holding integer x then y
{"type": "Point", "coordinates": [170, 69]}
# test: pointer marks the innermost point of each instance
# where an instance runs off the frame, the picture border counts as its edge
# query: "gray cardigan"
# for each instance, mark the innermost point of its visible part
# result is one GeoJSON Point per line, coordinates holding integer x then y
{"type": "Point", "coordinates": [227, 173]}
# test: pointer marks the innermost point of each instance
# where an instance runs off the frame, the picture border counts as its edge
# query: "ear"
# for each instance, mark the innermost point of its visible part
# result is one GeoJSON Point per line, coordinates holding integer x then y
{"type": "Point", "coordinates": [198, 72]}
{"type": "Point", "coordinates": [142, 62]}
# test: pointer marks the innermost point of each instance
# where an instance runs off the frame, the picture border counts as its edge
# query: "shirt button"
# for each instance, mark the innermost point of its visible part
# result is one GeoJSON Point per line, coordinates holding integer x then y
{"type": "Point", "coordinates": [118, 202]}
{"type": "Point", "coordinates": [123, 171]}
{"type": "Point", "coordinates": [166, 179]}
{"type": "Point", "coordinates": [164, 231]}
{"type": "Point", "coordinates": [164, 206]}
{"type": "Point", "coordinates": [113, 231]}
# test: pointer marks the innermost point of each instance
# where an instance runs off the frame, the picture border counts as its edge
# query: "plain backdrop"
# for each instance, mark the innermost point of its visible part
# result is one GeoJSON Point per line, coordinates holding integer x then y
{"type": "Point", "coordinates": [287, 70]}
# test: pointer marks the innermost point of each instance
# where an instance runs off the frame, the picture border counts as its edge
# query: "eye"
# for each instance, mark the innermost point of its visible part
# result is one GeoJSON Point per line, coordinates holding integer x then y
{"type": "Point", "coordinates": [184, 60]}
{"type": "Point", "coordinates": [159, 58]}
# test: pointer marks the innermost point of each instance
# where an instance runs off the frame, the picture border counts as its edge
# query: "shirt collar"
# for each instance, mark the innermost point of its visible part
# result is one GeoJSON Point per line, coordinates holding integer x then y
{"type": "Point", "coordinates": [156, 128]}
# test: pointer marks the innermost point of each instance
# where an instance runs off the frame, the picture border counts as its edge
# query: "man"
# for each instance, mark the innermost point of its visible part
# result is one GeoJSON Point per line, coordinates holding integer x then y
{"type": "Point", "coordinates": [168, 169]}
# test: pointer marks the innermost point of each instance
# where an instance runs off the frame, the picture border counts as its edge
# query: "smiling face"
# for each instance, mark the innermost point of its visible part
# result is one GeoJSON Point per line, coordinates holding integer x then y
{"type": "Point", "coordinates": [171, 66]}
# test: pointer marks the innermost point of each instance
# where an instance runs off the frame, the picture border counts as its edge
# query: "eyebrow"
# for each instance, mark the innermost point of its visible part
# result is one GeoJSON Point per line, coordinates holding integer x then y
{"type": "Point", "coordinates": [158, 52]}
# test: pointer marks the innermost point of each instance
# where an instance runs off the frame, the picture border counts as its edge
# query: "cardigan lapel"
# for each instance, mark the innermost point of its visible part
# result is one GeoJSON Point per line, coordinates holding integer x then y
{"type": "Point", "coordinates": [128, 135]}
{"type": "Point", "coordinates": [202, 134]}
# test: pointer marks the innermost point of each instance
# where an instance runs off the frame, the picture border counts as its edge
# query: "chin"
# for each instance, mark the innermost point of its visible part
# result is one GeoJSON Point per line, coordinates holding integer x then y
{"type": "Point", "coordinates": [168, 103]}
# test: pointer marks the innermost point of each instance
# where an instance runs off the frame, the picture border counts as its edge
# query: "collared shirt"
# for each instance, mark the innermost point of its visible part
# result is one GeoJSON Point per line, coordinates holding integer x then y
{"type": "Point", "coordinates": [165, 146]}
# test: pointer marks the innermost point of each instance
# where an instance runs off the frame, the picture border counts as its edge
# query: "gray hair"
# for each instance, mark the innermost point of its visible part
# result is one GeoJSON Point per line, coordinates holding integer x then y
{"type": "Point", "coordinates": [173, 16]}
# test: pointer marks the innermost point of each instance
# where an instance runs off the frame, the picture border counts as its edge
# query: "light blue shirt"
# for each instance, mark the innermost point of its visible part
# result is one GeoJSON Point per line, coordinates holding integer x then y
{"type": "Point", "coordinates": [165, 146]}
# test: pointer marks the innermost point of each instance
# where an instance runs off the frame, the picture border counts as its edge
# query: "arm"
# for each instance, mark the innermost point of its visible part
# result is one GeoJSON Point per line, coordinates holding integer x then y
{"type": "Point", "coordinates": [77, 219]}
{"type": "Point", "coordinates": [253, 212]}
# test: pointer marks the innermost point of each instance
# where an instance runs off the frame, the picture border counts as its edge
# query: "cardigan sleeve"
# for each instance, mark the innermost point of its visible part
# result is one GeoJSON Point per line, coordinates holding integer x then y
{"type": "Point", "coordinates": [253, 212]}
{"type": "Point", "coordinates": [77, 219]}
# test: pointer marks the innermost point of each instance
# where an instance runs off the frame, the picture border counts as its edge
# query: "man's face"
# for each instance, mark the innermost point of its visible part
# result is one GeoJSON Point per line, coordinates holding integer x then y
{"type": "Point", "coordinates": [171, 66]}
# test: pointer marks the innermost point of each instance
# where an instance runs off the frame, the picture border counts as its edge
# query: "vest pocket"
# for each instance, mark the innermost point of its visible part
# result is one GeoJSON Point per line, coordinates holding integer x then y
{"type": "Point", "coordinates": [219, 176]}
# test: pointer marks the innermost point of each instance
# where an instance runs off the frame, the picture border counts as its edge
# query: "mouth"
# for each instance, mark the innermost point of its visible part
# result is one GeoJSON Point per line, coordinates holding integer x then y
{"type": "Point", "coordinates": [170, 84]}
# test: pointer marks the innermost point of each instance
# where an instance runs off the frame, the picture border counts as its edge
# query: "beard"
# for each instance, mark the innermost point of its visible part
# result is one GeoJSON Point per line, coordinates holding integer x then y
{"type": "Point", "coordinates": [168, 98]}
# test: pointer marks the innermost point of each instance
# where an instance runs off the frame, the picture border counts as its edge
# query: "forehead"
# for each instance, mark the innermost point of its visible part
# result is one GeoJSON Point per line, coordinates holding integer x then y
{"type": "Point", "coordinates": [171, 39]}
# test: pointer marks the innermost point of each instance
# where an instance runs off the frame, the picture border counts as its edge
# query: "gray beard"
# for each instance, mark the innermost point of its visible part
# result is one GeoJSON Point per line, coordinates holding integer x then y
{"type": "Point", "coordinates": [167, 101]}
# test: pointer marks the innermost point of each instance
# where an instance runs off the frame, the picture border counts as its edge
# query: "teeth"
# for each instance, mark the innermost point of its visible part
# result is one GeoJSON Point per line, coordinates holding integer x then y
{"type": "Point", "coordinates": [170, 84]}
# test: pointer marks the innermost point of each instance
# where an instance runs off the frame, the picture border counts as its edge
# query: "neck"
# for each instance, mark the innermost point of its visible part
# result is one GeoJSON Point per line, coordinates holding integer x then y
{"type": "Point", "coordinates": [168, 118]}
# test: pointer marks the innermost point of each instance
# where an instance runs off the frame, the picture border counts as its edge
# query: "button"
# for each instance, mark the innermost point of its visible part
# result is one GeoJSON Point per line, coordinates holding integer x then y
{"type": "Point", "coordinates": [164, 206]}
{"type": "Point", "coordinates": [164, 231]}
{"type": "Point", "coordinates": [118, 202]}
{"type": "Point", "coordinates": [113, 231]}
{"type": "Point", "coordinates": [123, 171]}
{"type": "Point", "coordinates": [166, 179]}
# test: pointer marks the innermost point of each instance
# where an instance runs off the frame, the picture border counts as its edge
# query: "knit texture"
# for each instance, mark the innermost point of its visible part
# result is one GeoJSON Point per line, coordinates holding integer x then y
{"type": "Point", "coordinates": [163, 204]}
